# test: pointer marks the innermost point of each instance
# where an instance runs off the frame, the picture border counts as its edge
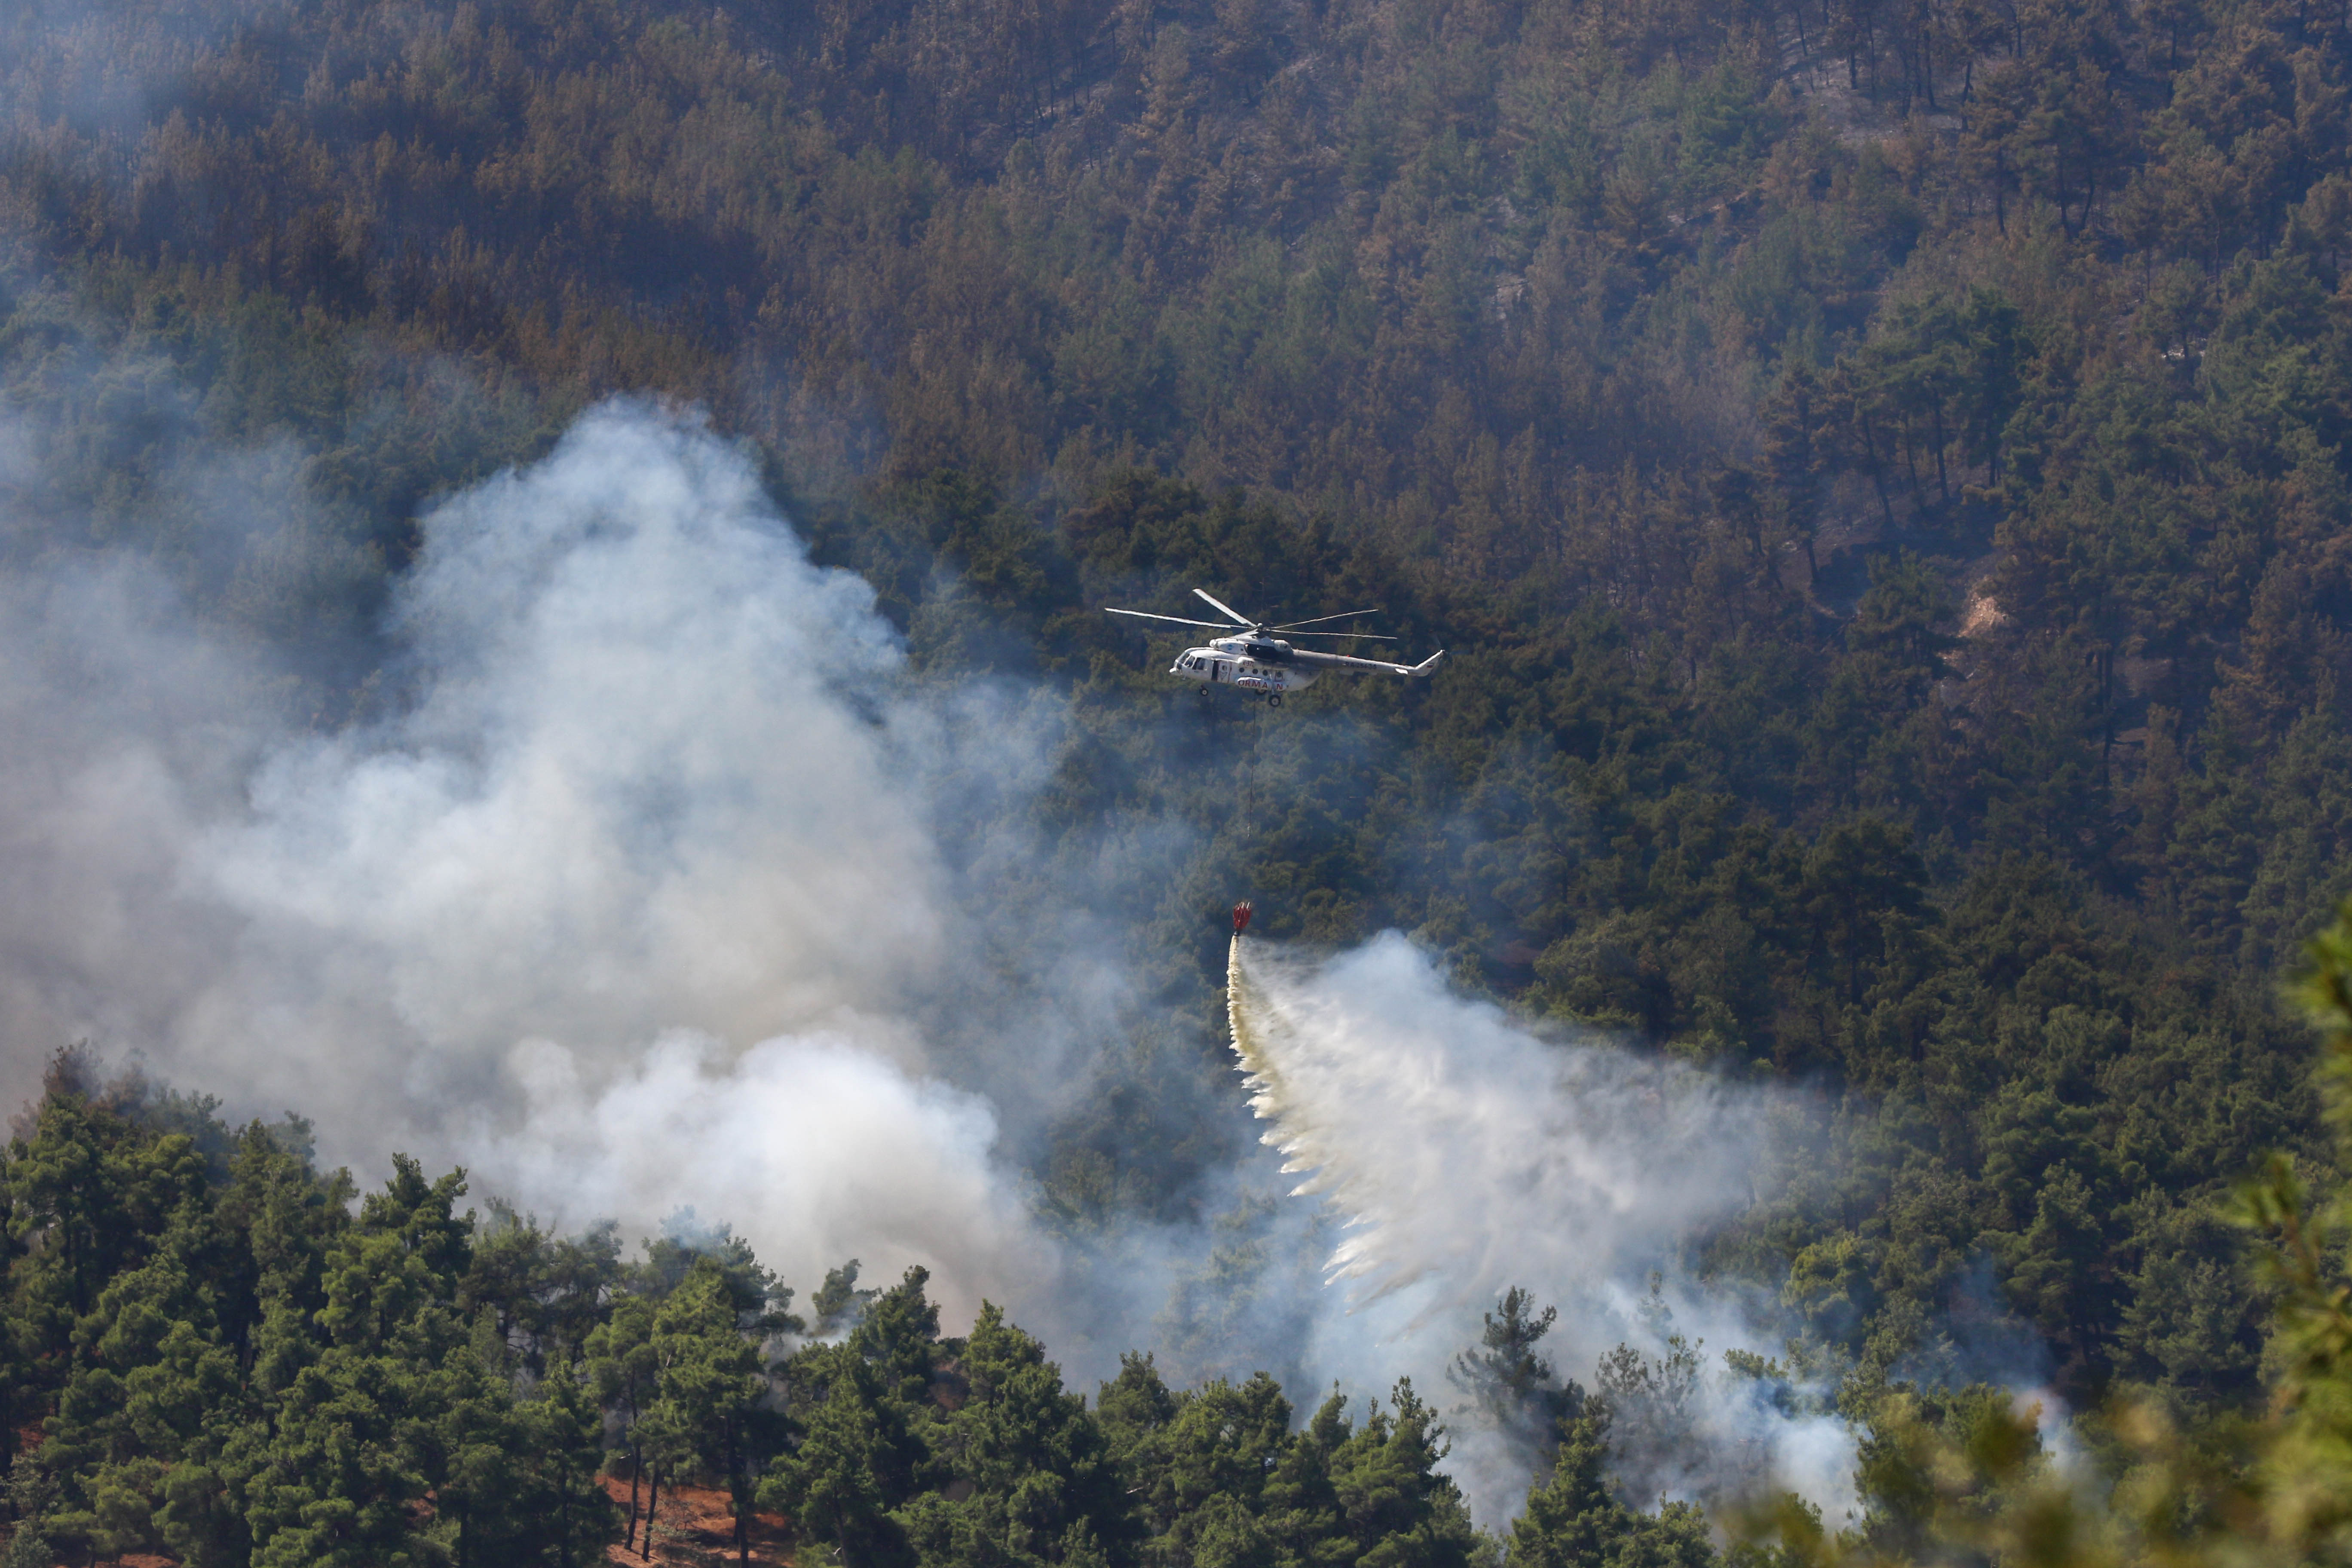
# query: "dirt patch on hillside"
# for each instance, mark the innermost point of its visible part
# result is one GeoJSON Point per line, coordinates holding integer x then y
{"type": "Point", "coordinates": [696, 1529]}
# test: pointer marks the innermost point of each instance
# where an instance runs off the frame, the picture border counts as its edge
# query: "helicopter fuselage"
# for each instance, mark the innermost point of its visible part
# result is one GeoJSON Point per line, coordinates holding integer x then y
{"type": "Point", "coordinates": [1264, 667]}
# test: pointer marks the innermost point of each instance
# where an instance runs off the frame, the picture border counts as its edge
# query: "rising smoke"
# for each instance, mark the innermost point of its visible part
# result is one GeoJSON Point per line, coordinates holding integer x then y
{"type": "Point", "coordinates": [634, 900]}
{"type": "Point", "coordinates": [660, 879]}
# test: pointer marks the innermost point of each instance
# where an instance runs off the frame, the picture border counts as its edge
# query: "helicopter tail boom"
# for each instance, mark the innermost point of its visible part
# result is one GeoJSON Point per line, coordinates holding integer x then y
{"type": "Point", "coordinates": [1341, 661]}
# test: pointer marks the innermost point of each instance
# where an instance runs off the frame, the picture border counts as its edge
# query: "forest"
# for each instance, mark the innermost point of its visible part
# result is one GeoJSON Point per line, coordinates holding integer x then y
{"type": "Point", "coordinates": [1879, 470]}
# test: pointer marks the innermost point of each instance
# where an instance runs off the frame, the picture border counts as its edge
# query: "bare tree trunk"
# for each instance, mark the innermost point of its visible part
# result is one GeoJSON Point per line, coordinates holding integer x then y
{"type": "Point", "coordinates": [1877, 474]}
{"type": "Point", "coordinates": [652, 1501]}
{"type": "Point", "coordinates": [1943, 489]}
{"type": "Point", "coordinates": [636, 1465]}
{"type": "Point", "coordinates": [739, 1480]}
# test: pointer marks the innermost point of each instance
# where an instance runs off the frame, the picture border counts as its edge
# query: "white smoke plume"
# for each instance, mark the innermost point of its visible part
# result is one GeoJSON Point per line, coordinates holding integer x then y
{"type": "Point", "coordinates": [634, 901]}
{"type": "Point", "coordinates": [816, 1144]}
{"type": "Point", "coordinates": [633, 789]}
{"type": "Point", "coordinates": [1463, 1157]}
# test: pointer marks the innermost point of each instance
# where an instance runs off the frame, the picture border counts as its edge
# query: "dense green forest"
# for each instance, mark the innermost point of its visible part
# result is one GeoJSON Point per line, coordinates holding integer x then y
{"type": "Point", "coordinates": [1879, 470]}
{"type": "Point", "coordinates": [230, 1365]}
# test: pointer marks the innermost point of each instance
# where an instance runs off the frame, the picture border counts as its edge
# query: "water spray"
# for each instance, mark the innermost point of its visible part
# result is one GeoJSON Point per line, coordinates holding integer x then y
{"type": "Point", "coordinates": [1259, 1028]}
{"type": "Point", "coordinates": [1466, 1151]}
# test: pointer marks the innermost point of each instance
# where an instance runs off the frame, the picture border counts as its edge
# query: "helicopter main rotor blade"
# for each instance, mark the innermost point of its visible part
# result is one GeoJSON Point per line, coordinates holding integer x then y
{"type": "Point", "coordinates": [1318, 620]}
{"type": "Point", "coordinates": [1239, 619]}
{"type": "Point", "coordinates": [1373, 637]}
{"type": "Point", "coordinates": [1146, 615]}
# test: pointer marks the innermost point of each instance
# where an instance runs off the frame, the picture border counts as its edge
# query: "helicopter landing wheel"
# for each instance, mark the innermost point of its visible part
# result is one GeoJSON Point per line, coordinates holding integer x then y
{"type": "Point", "coordinates": [1273, 699]}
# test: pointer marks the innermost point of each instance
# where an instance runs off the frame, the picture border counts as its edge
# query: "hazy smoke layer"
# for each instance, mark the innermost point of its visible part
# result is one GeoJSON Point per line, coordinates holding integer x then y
{"type": "Point", "coordinates": [122, 731]}
{"type": "Point", "coordinates": [1467, 1156]}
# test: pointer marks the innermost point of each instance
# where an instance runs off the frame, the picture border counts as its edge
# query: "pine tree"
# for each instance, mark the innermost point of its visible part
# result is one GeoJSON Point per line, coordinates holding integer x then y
{"type": "Point", "coordinates": [1511, 1386]}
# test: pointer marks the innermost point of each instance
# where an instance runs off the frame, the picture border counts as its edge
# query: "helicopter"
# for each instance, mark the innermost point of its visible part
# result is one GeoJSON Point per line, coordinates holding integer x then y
{"type": "Point", "coordinates": [1258, 659]}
